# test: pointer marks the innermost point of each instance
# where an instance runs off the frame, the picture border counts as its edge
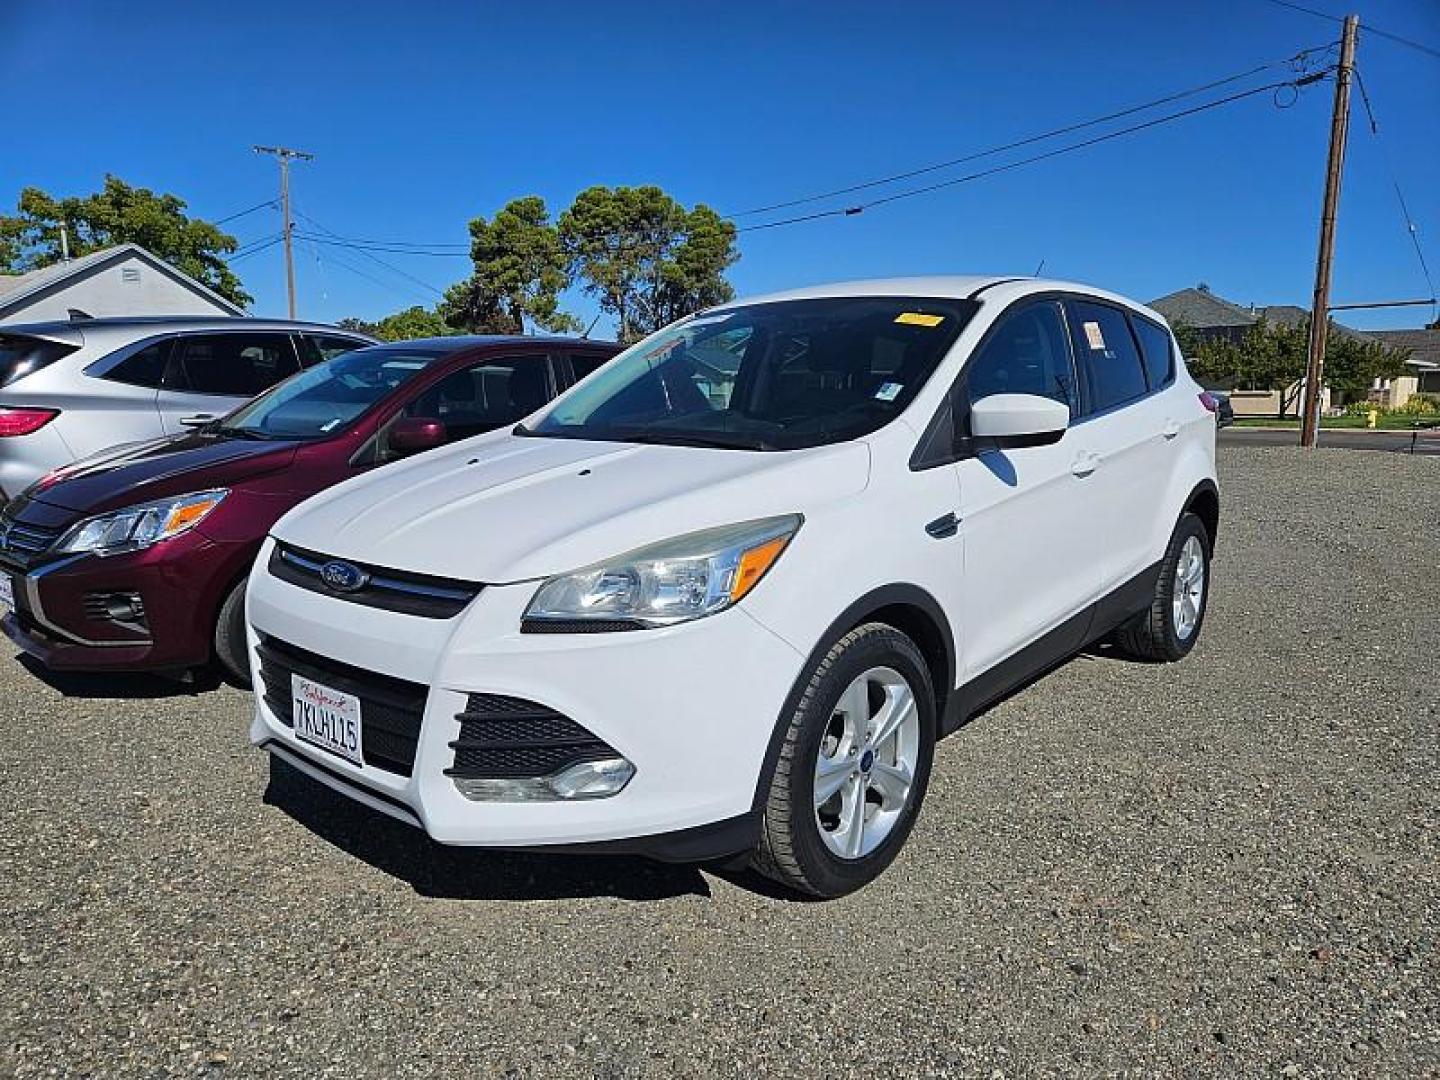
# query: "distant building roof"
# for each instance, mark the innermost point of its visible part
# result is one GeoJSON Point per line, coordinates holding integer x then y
{"type": "Point", "coordinates": [1423, 345]}
{"type": "Point", "coordinates": [1203, 310]}
{"type": "Point", "coordinates": [15, 289]}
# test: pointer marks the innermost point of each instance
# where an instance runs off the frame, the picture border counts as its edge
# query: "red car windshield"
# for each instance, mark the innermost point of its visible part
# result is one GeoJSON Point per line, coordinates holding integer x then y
{"type": "Point", "coordinates": [323, 399]}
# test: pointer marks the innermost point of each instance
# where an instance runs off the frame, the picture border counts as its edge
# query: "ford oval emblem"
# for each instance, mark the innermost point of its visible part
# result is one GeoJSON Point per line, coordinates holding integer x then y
{"type": "Point", "coordinates": [343, 576]}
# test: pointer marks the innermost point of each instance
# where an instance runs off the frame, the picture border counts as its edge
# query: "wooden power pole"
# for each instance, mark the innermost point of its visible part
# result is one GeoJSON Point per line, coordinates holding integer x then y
{"type": "Point", "coordinates": [1320, 308]}
{"type": "Point", "coordinates": [284, 154]}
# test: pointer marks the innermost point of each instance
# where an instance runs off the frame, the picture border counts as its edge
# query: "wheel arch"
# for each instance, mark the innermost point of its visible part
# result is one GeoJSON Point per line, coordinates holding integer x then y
{"type": "Point", "coordinates": [908, 608]}
{"type": "Point", "coordinates": [1204, 502]}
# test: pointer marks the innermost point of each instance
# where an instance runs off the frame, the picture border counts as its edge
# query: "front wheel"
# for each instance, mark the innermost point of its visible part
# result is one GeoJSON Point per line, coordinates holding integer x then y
{"type": "Point", "coordinates": [230, 648]}
{"type": "Point", "coordinates": [1170, 626]}
{"type": "Point", "coordinates": [853, 768]}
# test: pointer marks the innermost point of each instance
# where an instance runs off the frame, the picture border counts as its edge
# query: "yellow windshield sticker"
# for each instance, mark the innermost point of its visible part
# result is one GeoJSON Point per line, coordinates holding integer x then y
{"type": "Point", "coordinates": [917, 318]}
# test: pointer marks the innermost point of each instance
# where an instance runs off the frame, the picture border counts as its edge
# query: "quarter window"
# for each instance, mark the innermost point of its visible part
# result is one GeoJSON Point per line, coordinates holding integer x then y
{"type": "Point", "coordinates": [1156, 348]}
{"type": "Point", "coordinates": [232, 365]}
{"type": "Point", "coordinates": [1107, 355]}
{"type": "Point", "coordinates": [144, 368]}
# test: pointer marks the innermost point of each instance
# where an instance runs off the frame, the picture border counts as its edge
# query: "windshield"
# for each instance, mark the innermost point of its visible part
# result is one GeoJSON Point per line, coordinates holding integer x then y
{"type": "Point", "coordinates": [321, 400]}
{"type": "Point", "coordinates": [779, 376]}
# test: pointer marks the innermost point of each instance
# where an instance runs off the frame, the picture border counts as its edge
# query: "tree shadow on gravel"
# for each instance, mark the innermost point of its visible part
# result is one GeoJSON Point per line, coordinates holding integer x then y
{"type": "Point", "coordinates": [457, 873]}
{"type": "Point", "coordinates": [97, 685]}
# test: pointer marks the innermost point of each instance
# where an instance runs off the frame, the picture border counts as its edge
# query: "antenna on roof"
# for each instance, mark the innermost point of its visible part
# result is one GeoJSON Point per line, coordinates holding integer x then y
{"type": "Point", "coordinates": [593, 321]}
{"type": "Point", "coordinates": [1039, 268]}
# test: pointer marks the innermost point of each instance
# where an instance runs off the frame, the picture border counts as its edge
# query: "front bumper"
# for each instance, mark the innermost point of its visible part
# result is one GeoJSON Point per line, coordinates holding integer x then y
{"type": "Point", "coordinates": [57, 616]}
{"type": "Point", "coordinates": [693, 707]}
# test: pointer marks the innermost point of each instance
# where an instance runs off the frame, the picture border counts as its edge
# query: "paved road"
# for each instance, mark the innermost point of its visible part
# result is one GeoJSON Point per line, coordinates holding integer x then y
{"type": "Point", "coordinates": [1226, 867]}
{"type": "Point", "coordinates": [1345, 439]}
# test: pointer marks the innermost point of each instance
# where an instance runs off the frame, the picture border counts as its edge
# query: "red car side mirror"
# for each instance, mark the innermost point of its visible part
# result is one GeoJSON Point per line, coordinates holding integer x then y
{"type": "Point", "coordinates": [413, 434]}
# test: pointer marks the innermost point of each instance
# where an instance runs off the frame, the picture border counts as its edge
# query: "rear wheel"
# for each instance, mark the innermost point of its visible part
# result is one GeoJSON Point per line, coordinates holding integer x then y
{"type": "Point", "coordinates": [230, 651]}
{"type": "Point", "coordinates": [853, 767]}
{"type": "Point", "coordinates": [1169, 628]}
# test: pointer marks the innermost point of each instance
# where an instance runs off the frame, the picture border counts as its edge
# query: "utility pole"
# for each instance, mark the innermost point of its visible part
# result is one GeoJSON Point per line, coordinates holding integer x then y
{"type": "Point", "coordinates": [284, 154]}
{"type": "Point", "coordinates": [1320, 308]}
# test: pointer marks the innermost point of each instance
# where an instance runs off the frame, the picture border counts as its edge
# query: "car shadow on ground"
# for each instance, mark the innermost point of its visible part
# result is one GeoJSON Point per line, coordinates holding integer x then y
{"type": "Point", "coordinates": [118, 684]}
{"type": "Point", "coordinates": [457, 873]}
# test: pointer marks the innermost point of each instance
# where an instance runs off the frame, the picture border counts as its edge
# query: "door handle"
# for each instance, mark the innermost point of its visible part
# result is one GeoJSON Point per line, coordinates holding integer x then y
{"type": "Point", "coordinates": [1085, 463]}
{"type": "Point", "coordinates": [943, 527]}
{"type": "Point", "coordinates": [1171, 429]}
{"type": "Point", "coordinates": [198, 420]}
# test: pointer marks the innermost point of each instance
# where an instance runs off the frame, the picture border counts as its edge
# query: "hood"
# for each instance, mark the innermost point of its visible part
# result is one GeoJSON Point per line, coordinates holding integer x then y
{"type": "Point", "coordinates": [506, 508]}
{"type": "Point", "coordinates": [139, 472]}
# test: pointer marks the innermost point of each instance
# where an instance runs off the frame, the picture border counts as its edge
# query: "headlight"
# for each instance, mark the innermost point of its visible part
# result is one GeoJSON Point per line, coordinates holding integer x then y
{"type": "Point", "coordinates": [140, 526]}
{"type": "Point", "coordinates": [669, 582]}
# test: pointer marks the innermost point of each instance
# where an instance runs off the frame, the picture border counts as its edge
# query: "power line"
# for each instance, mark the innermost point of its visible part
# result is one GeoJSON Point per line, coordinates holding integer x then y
{"type": "Point", "coordinates": [358, 272]}
{"type": "Point", "coordinates": [1298, 58]}
{"type": "Point", "coordinates": [849, 211]}
{"type": "Point", "coordinates": [1410, 227]}
{"type": "Point", "coordinates": [362, 246]}
{"type": "Point", "coordinates": [242, 213]}
{"type": "Point", "coordinates": [256, 248]}
{"type": "Point", "coordinates": [1429, 50]}
{"type": "Point", "coordinates": [373, 257]}
{"type": "Point", "coordinates": [399, 244]}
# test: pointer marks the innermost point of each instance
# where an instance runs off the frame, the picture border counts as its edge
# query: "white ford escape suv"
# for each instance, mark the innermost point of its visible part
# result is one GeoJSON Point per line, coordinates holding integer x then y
{"type": "Point", "coordinates": [724, 595]}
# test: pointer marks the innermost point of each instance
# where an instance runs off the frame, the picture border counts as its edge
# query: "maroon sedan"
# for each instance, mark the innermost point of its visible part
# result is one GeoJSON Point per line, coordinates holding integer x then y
{"type": "Point", "coordinates": [137, 559]}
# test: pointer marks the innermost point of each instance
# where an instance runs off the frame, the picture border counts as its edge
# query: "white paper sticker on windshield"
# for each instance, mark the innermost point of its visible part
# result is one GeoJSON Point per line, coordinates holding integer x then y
{"type": "Point", "coordinates": [889, 391]}
{"type": "Point", "coordinates": [1094, 336]}
{"type": "Point", "coordinates": [330, 425]}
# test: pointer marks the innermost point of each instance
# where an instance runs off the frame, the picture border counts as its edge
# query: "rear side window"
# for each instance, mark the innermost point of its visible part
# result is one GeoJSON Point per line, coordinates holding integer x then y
{"type": "Point", "coordinates": [1108, 358]}
{"type": "Point", "coordinates": [232, 365]}
{"type": "Point", "coordinates": [317, 348]}
{"type": "Point", "coordinates": [583, 364]}
{"type": "Point", "coordinates": [22, 355]}
{"type": "Point", "coordinates": [1158, 352]}
{"type": "Point", "coordinates": [143, 368]}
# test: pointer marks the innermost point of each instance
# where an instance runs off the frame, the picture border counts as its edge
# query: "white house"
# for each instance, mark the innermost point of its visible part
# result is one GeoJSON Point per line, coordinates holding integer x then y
{"type": "Point", "coordinates": [123, 280]}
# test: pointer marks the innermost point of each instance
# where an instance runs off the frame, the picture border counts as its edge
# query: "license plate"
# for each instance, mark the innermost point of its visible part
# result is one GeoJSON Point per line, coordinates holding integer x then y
{"type": "Point", "coordinates": [7, 591]}
{"type": "Point", "coordinates": [327, 718]}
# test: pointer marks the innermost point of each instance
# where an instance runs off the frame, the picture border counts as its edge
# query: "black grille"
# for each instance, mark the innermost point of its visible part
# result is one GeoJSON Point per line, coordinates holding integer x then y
{"type": "Point", "coordinates": [391, 709]}
{"type": "Point", "coordinates": [21, 542]}
{"type": "Point", "coordinates": [508, 738]}
{"type": "Point", "coordinates": [392, 590]}
{"type": "Point", "coordinates": [578, 626]}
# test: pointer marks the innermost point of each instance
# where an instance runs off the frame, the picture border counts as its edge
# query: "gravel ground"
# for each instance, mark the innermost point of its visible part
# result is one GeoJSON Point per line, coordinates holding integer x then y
{"type": "Point", "coordinates": [1227, 866]}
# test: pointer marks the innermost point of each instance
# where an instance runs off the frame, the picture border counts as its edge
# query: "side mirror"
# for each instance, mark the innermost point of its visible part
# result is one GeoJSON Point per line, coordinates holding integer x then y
{"type": "Point", "coordinates": [414, 434]}
{"type": "Point", "coordinates": [1016, 420]}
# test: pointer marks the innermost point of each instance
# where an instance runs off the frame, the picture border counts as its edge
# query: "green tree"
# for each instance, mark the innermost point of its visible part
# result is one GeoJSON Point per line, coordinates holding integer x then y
{"type": "Point", "coordinates": [521, 268]}
{"type": "Point", "coordinates": [118, 214]}
{"type": "Point", "coordinates": [413, 322]}
{"type": "Point", "coordinates": [647, 259]}
{"type": "Point", "coordinates": [1274, 356]}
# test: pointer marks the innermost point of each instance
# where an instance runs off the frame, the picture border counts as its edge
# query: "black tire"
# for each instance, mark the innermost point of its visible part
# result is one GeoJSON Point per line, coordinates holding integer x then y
{"type": "Point", "coordinates": [231, 653]}
{"type": "Point", "coordinates": [791, 850]}
{"type": "Point", "coordinates": [1152, 634]}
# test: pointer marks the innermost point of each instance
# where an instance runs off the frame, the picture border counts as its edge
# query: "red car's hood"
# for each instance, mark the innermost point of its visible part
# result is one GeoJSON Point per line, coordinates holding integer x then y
{"type": "Point", "coordinates": [140, 472]}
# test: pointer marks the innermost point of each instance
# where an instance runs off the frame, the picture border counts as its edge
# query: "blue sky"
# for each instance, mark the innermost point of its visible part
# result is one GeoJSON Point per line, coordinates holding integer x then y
{"type": "Point", "coordinates": [422, 115]}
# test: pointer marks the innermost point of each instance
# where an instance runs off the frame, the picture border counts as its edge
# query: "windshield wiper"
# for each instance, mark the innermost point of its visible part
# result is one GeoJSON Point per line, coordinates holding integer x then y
{"type": "Point", "coordinates": [720, 440]}
{"type": "Point", "coordinates": [243, 433]}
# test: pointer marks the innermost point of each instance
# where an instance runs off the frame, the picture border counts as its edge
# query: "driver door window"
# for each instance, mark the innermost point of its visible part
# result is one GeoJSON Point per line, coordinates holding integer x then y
{"type": "Point", "coordinates": [500, 391]}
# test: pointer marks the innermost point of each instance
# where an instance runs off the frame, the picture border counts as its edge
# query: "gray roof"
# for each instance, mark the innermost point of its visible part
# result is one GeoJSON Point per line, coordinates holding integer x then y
{"type": "Point", "coordinates": [1423, 345]}
{"type": "Point", "coordinates": [1204, 310]}
{"type": "Point", "coordinates": [15, 288]}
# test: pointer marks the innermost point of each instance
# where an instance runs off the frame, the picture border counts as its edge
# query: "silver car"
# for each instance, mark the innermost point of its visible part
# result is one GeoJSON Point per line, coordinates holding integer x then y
{"type": "Point", "coordinates": [71, 389]}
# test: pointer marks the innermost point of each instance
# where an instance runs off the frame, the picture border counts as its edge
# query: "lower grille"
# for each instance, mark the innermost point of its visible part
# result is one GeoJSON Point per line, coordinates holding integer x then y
{"type": "Point", "coordinates": [391, 709]}
{"type": "Point", "coordinates": [125, 609]}
{"type": "Point", "coordinates": [509, 738]}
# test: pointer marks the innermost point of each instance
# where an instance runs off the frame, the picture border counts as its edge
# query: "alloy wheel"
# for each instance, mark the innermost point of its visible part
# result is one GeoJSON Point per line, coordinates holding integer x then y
{"type": "Point", "coordinates": [1188, 593]}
